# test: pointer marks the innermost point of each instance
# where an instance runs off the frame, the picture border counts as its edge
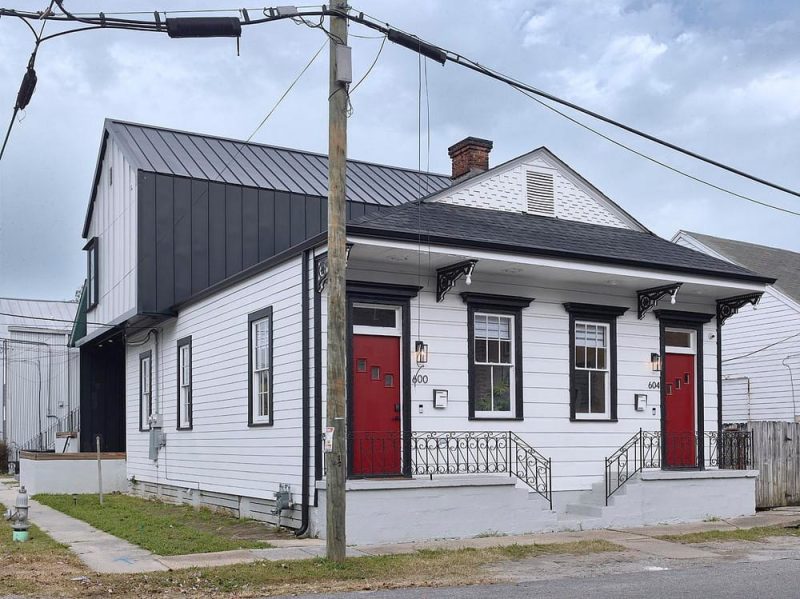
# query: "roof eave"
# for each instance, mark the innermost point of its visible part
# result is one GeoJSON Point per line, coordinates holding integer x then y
{"type": "Point", "coordinates": [527, 251]}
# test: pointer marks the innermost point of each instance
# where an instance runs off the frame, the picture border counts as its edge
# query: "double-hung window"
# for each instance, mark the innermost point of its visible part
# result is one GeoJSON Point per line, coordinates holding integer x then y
{"type": "Point", "coordinates": [494, 363]}
{"type": "Point", "coordinates": [185, 383]}
{"type": "Point", "coordinates": [592, 378]}
{"type": "Point", "coordinates": [495, 355]}
{"type": "Point", "coordinates": [593, 361]}
{"type": "Point", "coordinates": [145, 390]}
{"type": "Point", "coordinates": [260, 386]}
{"type": "Point", "coordinates": [92, 282]}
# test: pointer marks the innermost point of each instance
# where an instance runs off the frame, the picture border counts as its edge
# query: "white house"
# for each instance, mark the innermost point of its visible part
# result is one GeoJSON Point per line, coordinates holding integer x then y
{"type": "Point", "coordinates": [760, 347]}
{"type": "Point", "coordinates": [39, 374]}
{"type": "Point", "coordinates": [524, 354]}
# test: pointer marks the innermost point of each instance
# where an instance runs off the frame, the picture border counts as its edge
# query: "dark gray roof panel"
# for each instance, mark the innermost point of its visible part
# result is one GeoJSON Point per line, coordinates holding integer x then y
{"type": "Point", "coordinates": [542, 235]}
{"type": "Point", "coordinates": [783, 265]}
{"type": "Point", "coordinates": [171, 152]}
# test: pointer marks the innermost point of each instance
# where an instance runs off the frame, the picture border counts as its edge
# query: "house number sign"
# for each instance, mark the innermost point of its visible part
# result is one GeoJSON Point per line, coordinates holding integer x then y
{"type": "Point", "coordinates": [654, 385]}
{"type": "Point", "coordinates": [418, 378]}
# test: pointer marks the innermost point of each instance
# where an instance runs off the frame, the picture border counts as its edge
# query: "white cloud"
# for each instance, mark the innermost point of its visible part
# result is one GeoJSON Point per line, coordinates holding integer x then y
{"type": "Point", "coordinates": [626, 61]}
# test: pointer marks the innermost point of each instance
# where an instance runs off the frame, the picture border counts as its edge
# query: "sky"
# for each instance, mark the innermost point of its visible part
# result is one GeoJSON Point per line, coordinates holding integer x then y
{"type": "Point", "coordinates": [721, 77]}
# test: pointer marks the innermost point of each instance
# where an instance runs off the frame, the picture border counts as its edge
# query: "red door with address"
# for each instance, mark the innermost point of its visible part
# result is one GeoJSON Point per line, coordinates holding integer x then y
{"type": "Point", "coordinates": [680, 443]}
{"type": "Point", "coordinates": [376, 406]}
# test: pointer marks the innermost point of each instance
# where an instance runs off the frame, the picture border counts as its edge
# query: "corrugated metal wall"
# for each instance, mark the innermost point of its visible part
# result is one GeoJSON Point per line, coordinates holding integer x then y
{"type": "Point", "coordinates": [41, 388]}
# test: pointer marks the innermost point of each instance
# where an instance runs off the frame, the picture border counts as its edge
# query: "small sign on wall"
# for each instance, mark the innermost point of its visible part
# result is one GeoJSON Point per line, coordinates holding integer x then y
{"type": "Point", "coordinates": [440, 398]}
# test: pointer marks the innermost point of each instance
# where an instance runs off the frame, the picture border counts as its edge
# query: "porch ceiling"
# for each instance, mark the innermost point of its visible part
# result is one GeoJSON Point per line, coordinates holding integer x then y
{"type": "Point", "coordinates": [405, 257]}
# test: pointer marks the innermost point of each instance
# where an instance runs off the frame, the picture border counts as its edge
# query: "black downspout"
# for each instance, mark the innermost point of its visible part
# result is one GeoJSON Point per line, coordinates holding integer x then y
{"type": "Point", "coordinates": [317, 387]}
{"type": "Point", "coordinates": [304, 520]}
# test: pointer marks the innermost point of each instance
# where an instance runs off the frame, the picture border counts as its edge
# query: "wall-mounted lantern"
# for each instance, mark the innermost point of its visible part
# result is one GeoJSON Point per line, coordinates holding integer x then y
{"type": "Point", "coordinates": [655, 362]}
{"type": "Point", "coordinates": [421, 352]}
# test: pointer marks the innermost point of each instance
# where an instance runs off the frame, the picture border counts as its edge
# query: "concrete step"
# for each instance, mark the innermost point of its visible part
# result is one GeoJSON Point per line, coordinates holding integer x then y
{"type": "Point", "coordinates": [582, 509]}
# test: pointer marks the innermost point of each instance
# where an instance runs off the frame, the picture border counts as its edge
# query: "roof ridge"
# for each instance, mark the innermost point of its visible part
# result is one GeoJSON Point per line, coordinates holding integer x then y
{"type": "Point", "coordinates": [271, 146]}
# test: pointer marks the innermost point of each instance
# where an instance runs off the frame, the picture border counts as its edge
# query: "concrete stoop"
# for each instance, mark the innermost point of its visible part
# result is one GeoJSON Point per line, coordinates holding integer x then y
{"type": "Point", "coordinates": [591, 512]}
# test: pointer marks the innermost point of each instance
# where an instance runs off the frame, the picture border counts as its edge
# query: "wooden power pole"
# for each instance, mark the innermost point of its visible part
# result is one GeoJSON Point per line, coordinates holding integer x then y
{"type": "Point", "coordinates": [336, 451]}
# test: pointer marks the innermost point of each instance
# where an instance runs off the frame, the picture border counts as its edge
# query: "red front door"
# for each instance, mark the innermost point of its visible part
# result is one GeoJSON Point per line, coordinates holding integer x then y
{"type": "Point", "coordinates": [376, 406]}
{"type": "Point", "coordinates": [680, 445]}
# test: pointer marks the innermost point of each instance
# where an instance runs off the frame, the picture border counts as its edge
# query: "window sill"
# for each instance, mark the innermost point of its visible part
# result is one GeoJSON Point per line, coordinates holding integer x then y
{"type": "Point", "coordinates": [593, 419]}
{"type": "Point", "coordinates": [258, 424]}
{"type": "Point", "coordinates": [184, 428]}
{"type": "Point", "coordinates": [496, 418]}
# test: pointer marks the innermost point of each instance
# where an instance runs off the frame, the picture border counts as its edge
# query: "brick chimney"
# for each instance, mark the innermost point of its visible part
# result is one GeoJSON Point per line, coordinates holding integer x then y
{"type": "Point", "coordinates": [470, 156]}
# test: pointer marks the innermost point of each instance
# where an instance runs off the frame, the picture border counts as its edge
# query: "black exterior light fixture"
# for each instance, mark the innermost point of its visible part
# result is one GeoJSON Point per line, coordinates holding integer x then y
{"type": "Point", "coordinates": [421, 352]}
{"type": "Point", "coordinates": [655, 362]}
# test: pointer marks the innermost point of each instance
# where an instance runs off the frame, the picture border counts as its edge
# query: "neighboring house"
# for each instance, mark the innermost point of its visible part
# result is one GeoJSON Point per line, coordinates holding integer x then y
{"type": "Point", "coordinates": [505, 340]}
{"type": "Point", "coordinates": [39, 373]}
{"type": "Point", "coordinates": [760, 347]}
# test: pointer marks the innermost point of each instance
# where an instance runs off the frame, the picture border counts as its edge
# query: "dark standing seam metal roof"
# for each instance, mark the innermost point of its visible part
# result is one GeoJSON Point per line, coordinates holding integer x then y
{"type": "Point", "coordinates": [543, 236]}
{"type": "Point", "coordinates": [185, 154]}
{"type": "Point", "coordinates": [784, 265]}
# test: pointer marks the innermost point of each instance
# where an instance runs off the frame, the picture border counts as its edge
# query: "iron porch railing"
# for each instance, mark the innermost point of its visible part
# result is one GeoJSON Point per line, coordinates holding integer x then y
{"type": "Point", "coordinates": [380, 454]}
{"type": "Point", "coordinates": [727, 449]}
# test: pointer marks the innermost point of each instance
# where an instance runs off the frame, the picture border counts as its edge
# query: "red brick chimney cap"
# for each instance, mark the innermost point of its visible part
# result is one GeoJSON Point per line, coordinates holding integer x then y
{"type": "Point", "coordinates": [468, 142]}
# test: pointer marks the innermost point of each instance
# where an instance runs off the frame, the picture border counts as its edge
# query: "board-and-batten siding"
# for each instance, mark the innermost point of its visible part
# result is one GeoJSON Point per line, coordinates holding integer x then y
{"type": "Point", "coordinates": [578, 449]}
{"type": "Point", "coordinates": [506, 190]}
{"type": "Point", "coordinates": [776, 319]}
{"type": "Point", "coordinates": [113, 222]}
{"type": "Point", "coordinates": [221, 454]}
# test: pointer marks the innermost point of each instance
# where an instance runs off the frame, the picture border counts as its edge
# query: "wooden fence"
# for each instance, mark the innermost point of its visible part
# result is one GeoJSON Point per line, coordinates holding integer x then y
{"type": "Point", "coordinates": [776, 455]}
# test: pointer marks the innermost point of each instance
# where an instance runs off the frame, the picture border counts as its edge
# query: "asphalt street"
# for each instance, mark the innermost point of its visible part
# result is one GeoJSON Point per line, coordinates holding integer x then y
{"type": "Point", "coordinates": [737, 580]}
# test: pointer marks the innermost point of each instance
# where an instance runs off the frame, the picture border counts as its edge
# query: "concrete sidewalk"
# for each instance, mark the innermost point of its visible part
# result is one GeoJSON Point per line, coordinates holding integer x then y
{"type": "Point", "coordinates": [106, 553]}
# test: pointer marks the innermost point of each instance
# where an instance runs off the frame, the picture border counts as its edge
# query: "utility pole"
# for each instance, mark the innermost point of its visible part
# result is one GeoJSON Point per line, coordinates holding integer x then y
{"type": "Point", "coordinates": [337, 240]}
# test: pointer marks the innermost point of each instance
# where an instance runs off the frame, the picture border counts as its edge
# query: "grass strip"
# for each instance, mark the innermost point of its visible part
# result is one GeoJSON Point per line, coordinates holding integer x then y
{"type": "Point", "coordinates": [740, 534]}
{"type": "Point", "coordinates": [163, 528]}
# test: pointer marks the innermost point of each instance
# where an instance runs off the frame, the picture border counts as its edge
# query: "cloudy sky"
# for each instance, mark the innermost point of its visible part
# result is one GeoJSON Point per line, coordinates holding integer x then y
{"type": "Point", "coordinates": [721, 77]}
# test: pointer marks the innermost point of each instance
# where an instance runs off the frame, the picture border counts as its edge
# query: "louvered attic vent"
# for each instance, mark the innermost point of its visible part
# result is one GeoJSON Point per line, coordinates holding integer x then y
{"type": "Point", "coordinates": [540, 192]}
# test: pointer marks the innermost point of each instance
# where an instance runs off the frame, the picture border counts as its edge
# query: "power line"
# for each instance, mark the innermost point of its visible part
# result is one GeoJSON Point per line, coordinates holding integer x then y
{"type": "Point", "coordinates": [441, 55]}
{"type": "Point", "coordinates": [655, 160]}
{"type": "Point", "coordinates": [759, 350]}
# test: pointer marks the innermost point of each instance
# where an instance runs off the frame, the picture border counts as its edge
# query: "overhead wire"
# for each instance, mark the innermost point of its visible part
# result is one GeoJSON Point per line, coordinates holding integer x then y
{"type": "Point", "coordinates": [761, 349]}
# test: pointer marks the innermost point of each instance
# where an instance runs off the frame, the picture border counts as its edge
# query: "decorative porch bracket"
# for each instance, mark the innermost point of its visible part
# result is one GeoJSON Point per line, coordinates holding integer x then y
{"type": "Point", "coordinates": [648, 298]}
{"type": "Point", "coordinates": [447, 276]}
{"type": "Point", "coordinates": [729, 306]}
{"type": "Point", "coordinates": [321, 268]}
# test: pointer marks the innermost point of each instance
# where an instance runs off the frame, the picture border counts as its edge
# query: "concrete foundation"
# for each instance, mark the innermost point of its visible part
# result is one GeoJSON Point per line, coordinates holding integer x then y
{"type": "Point", "coordinates": [401, 510]}
{"type": "Point", "coordinates": [71, 472]}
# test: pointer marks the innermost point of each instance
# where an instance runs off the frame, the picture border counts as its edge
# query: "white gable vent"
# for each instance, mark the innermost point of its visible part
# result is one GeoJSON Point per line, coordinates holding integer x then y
{"type": "Point", "coordinates": [540, 193]}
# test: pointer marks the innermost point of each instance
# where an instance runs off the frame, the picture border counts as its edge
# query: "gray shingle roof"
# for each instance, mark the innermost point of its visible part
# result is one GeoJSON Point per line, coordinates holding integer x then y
{"type": "Point", "coordinates": [544, 236]}
{"type": "Point", "coordinates": [172, 152]}
{"type": "Point", "coordinates": [782, 265]}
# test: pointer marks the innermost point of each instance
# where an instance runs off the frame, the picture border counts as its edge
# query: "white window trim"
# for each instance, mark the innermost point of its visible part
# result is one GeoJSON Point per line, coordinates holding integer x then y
{"type": "Point", "coordinates": [395, 331]}
{"type": "Point", "coordinates": [502, 414]}
{"type": "Point", "coordinates": [257, 417]}
{"type": "Point", "coordinates": [607, 413]}
{"type": "Point", "coordinates": [672, 349]}
{"type": "Point", "coordinates": [184, 386]}
{"type": "Point", "coordinates": [146, 397]}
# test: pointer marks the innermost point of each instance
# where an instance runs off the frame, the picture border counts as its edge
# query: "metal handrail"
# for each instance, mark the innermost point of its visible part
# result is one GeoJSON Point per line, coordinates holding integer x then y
{"type": "Point", "coordinates": [454, 452]}
{"type": "Point", "coordinates": [727, 449]}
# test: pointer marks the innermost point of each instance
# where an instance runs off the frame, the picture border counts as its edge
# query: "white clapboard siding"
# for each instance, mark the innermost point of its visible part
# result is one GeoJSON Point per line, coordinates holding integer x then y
{"type": "Point", "coordinates": [221, 454]}
{"type": "Point", "coordinates": [114, 224]}
{"type": "Point", "coordinates": [771, 396]}
{"type": "Point", "coordinates": [746, 355]}
{"type": "Point", "coordinates": [567, 196]}
{"type": "Point", "coordinates": [578, 449]}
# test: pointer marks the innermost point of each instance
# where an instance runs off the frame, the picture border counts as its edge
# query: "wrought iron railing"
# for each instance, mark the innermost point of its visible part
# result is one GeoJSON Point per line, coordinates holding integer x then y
{"type": "Point", "coordinates": [727, 449]}
{"type": "Point", "coordinates": [373, 454]}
